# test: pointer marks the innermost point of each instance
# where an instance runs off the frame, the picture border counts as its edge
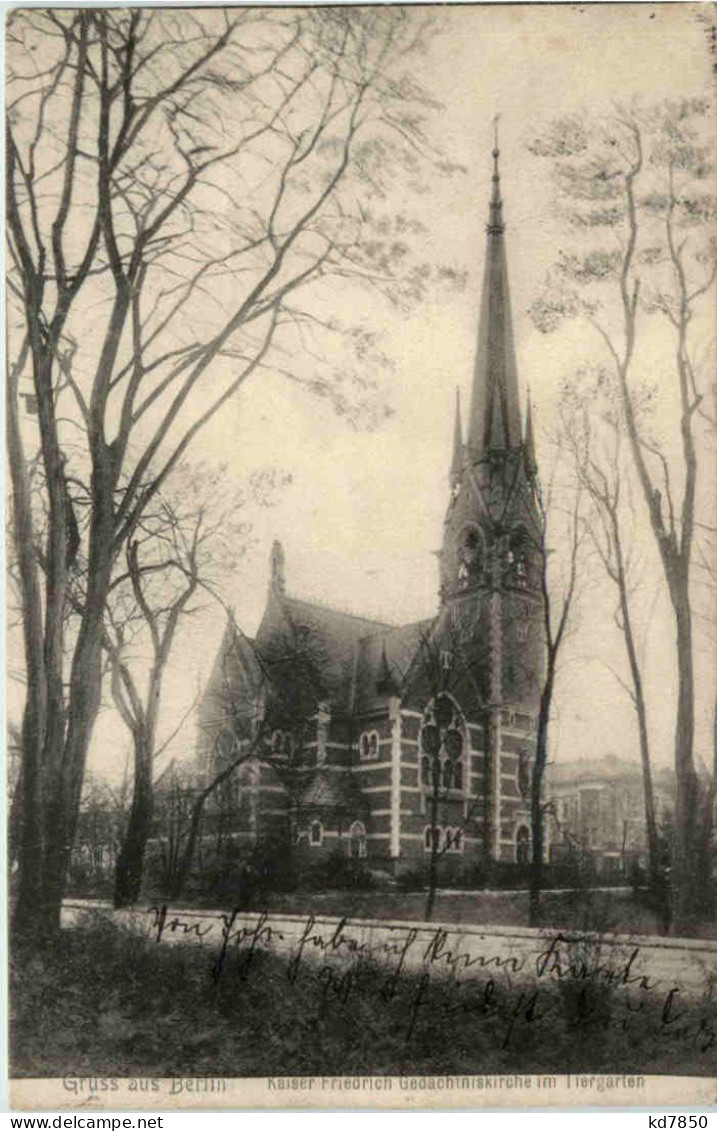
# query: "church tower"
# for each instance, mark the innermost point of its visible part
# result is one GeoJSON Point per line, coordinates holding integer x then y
{"type": "Point", "coordinates": [490, 561]}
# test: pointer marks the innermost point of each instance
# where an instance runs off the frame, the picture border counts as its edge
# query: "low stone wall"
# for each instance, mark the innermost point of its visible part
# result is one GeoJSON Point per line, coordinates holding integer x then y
{"type": "Point", "coordinates": [509, 955]}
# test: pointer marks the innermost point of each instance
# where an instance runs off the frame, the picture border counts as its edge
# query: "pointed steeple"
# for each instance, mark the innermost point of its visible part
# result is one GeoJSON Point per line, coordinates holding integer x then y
{"type": "Point", "coordinates": [495, 409]}
{"type": "Point", "coordinates": [529, 460]}
{"type": "Point", "coordinates": [277, 578]}
{"type": "Point", "coordinates": [457, 460]}
{"type": "Point", "coordinates": [385, 682]}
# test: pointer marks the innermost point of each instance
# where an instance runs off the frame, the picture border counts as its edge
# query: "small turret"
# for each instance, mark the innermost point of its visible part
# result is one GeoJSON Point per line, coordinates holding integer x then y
{"type": "Point", "coordinates": [277, 581]}
{"type": "Point", "coordinates": [385, 682]}
{"type": "Point", "coordinates": [457, 460]}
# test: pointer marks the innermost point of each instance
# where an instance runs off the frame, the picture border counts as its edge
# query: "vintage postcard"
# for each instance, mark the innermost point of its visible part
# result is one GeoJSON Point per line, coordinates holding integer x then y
{"type": "Point", "coordinates": [360, 423]}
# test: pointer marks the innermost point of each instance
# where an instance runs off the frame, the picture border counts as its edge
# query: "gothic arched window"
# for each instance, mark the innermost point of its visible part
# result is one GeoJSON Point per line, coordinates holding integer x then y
{"type": "Point", "coordinates": [518, 559]}
{"type": "Point", "coordinates": [432, 837]}
{"type": "Point", "coordinates": [357, 840]}
{"type": "Point", "coordinates": [522, 845]}
{"type": "Point", "coordinates": [368, 746]}
{"type": "Point", "coordinates": [442, 745]}
{"type": "Point", "coordinates": [458, 775]}
{"type": "Point", "coordinates": [470, 557]}
{"type": "Point", "coordinates": [454, 840]}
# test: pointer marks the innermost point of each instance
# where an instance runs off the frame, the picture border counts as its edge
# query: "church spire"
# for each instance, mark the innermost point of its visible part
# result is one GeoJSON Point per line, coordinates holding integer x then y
{"type": "Point", "coordinates": [277, 568]}
{"type": "Point", "coordinates": [495, 409]}
{"type": "Point", "coordinates": [529, 460]}
{"type": "Point", "coordinates": [457, 460]}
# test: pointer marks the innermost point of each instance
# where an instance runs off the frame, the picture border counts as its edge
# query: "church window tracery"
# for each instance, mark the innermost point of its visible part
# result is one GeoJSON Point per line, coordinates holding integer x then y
{"type": "Point", "coordinates": [458, 774]}
{"type": "Point", "coordinates": [441, 745]}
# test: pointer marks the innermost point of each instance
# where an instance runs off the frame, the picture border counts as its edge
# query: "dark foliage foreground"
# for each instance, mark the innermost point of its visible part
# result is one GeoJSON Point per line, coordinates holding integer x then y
{"type": "Point", "coordinates": [103, 1001]}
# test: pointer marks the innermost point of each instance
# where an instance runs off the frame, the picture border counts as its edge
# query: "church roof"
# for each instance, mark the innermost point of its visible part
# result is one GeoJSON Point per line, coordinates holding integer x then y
{"type": "Point", "coordinates": [336, 791]}
{"type": "Point", "coordinates": [362, 660]}
{"type": "Point", "coordinates": [399, 646]}
{"type": "Point", "coordinates": [237, 664]}
{"type": "Point", "coordinates": [338, 641]}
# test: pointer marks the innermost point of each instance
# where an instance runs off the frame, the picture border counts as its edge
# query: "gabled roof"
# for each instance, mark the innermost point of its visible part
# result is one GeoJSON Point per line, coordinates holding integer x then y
{"type": "Point", "coordinates": [352, 647]}
{"type": "Point", "coordinates": [400, 646]}
{"type": "Point", "coordinates": [236, 664]}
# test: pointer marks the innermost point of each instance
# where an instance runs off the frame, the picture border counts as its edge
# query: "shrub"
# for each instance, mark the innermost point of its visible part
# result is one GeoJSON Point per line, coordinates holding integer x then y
{"type": "Point", "coordinates": [88, 883]}
{"type": "Point", "coordinates": [414, 879]}
{"type": "Point", "coordinates": [337, 872]}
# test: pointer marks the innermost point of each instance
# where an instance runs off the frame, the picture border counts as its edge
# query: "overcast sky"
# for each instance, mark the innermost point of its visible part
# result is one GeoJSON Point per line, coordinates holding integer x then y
{"type": "Point", "coordinates": [363, 517]}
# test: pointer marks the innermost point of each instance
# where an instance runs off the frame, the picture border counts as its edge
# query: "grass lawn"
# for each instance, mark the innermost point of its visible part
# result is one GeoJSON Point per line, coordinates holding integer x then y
{"type": "Point", "coordinates": [581, 910]}
{"type": "Point", "coordinates": [103, 1001]}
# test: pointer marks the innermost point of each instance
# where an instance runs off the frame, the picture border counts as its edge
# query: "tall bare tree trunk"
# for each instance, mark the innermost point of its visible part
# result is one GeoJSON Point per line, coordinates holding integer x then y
{"type": "Point", "coordinates": [433, 861]}
{"type": "Point", "coordinates": [643, 734]}
{"type": "Point", "coordinates": [684, 878]}
{"type": "Point", "coordinates": [536, 796]}
{"type": "Point", "coordinates": [130, 861]}
{"type": "Point", "coordinates": [177, 877]}
{"type": "Point", "coordinates": [51, 813]}
{"type": "Point", "coordinates": [30, 831]}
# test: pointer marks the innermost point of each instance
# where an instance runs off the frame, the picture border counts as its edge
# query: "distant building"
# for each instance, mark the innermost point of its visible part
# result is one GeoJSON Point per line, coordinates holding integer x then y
{"type": "Point", "coordinates": [352, 764]}
{"type": "Point", "coordinates": [598, 808]}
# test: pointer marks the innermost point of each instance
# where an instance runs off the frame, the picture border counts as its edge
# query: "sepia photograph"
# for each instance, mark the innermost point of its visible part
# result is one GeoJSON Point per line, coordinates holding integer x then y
{"type": "Point", "coordinates": [361, 554]}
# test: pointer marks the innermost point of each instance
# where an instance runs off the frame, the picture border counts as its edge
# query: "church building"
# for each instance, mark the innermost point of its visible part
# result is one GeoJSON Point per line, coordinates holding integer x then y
{"type": "Point", "coordinates": [386, 743]}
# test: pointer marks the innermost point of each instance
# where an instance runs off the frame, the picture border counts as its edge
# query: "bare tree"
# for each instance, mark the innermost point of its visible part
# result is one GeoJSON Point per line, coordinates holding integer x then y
{"type": "Point", "coordinates": [13, 747]}
{"type": "Point", "coordinates": [140, 710]}
{"type": "Point", "coordinates": [592, 429]}
{"type": "Point", "coordinates": [99, 833]}
{"type": "Point", "coordinates": [635, 184]}
{"type": "Point", "coordinates": [187, 543]}
{"type": "Point", "coordinates": [176, 792]}
{"type": "Point", "coordinates": [556, 609]}
{"type": "Point", "coordinates": [176, 180]}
